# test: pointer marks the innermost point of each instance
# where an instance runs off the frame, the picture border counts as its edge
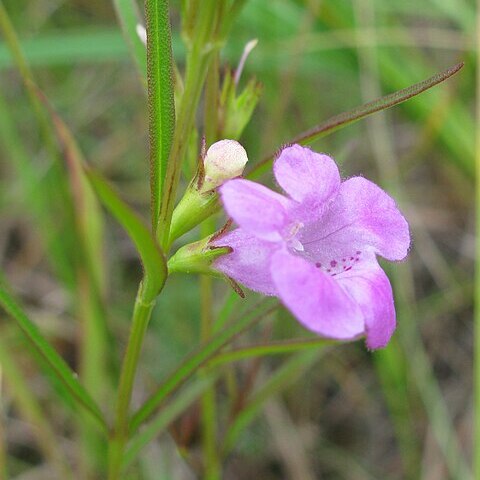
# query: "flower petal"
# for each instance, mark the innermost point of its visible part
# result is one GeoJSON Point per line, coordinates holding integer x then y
{"type": "Point", "coordinates": [371, 289]}
{"type": "Point", "coordinates": [315, 298]}
{"type": "Point", "coordinates": [255, 208]}
{"type": "Point", "coordinates": [249, 262]}
{"type": "Point", "coordinates": [362, 217]}
{"type": "Point", "coordinates": [308, 177]}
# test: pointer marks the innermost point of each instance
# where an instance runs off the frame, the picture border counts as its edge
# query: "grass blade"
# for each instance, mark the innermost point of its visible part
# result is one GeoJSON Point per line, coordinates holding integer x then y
{"type": "Point", "coordinates": [346, 118]}
{"type": "Point", "coordinates": [30, 408]}
{"type": "Point", "coordinates": [52, 358]}
{"type": "Point", "coordinates": [167, 415]}
{"type": "Point", "coordinates": [281, 347]}
{"type": "Point", "coordinates": [94, 348]}
{"type": "Point", "coordinates": [283, 377]}
{"type": "Point", "coordinates": [13, 43]}
{"type": "Point", "coordinates": [92, 45]}
{"type": "Point", "coordinates": [39, 197]}
{"type": "Point", "coordinates": [198, 358]}
{"type": "Point", "coordinates": [87, 210]}
{"type": "Point", "coordinates": [160, 97]}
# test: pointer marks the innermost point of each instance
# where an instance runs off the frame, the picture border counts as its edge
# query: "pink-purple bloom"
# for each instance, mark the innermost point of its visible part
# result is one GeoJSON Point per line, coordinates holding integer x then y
{"type": "Point", "coordinates": [316, 247]}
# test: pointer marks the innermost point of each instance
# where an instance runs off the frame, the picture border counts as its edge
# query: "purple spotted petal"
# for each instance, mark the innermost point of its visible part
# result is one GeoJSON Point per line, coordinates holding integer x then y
{"type": "Point", "coordinates": [249, 262]}
{"type": "Point", "coordinates": [316, 250]}
{"type": "Point", "coordinates": [255, 208]}
{"type": "Point", "coordinates": [371, 289]}
{"type": "Point", "coordinates": [362, 218]}
{"type": "Point", "coordinates": [315, 298]}
{"type": "Point", "coordinates": [310, 178]}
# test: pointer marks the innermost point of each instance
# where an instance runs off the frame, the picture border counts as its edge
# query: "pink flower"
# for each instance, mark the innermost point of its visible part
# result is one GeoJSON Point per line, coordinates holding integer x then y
{"type": "Point", "coordinates": [315, 248]}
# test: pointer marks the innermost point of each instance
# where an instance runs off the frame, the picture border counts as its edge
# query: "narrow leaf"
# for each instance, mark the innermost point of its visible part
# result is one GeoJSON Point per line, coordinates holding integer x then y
{"type": "Point", "coordinates": [52, 358]}
{"type": "Point", "coordinates": [198, 358]}
{"type": "Point", "coordinates": [272, 348]}
{"type": "Point", "coordinates": [153, 260]}
{"type": "Point", "coordinates": [343, 119]}
{"type": "Point", "coordinates": [160, 97]}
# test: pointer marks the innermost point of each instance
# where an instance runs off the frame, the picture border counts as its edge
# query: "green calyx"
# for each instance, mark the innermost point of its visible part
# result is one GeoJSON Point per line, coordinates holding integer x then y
{"type": "Point", "coordinates": [197, 257]}
{"type": "Point", "coordinates": [195, 206]}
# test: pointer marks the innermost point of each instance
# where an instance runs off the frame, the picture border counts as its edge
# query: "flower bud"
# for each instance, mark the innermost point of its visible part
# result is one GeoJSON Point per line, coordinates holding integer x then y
{"type": "Point", "coordinates": [224, 160]}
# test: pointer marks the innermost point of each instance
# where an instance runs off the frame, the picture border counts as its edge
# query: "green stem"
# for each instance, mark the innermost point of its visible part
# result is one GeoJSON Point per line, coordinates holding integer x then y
{"type": "Point", "coordinates": [141, 316]}
{"type": "Point", "coordinates": [212, 466]}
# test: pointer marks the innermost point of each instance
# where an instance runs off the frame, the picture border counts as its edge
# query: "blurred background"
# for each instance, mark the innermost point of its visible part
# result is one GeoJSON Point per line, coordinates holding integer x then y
{"type": "Point", "coordinates": [342, 412]}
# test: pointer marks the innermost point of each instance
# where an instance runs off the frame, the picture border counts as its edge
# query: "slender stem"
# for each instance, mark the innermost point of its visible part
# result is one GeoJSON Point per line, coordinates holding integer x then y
{"type": "Point", "coordinates": [141, 316]}
{"type": "Point", "coordinates": [211, 460]}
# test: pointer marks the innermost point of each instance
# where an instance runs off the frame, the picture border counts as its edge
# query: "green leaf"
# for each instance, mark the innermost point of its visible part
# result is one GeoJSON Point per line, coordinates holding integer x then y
{"type": "Point", "coordinates": [129, 17]}
{"type": "Point", "coordinates": [167, 415]}
{"type": "Point", "coordinates": [161, 103]}
{"type": "Point", "coordinates": [199, 357]}
{"type": "Point", "coordinates": [52, 358]}
{"type": "Point", "coordinates": [343, 119]}
{"type": "Point", "coordinates": [153, 260]}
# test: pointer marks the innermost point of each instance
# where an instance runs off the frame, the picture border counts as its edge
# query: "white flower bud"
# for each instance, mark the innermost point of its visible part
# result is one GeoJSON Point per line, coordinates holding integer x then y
{"type": "Point", "coordinates": [224, 160]}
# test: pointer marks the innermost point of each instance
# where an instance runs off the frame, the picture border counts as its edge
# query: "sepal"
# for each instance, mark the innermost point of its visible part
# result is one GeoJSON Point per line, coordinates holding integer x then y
{"type": "Point", "coordinates": [198, 257]}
